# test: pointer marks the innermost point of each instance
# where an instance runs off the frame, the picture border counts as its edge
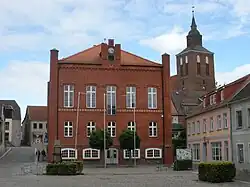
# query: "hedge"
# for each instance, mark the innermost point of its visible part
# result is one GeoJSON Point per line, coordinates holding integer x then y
{"type": "Point", "coordinates": [65, 168]}
{"type": "Point", "coordinates": [181, 165]}
{"type": "Point", "coordinates": [216, 172]}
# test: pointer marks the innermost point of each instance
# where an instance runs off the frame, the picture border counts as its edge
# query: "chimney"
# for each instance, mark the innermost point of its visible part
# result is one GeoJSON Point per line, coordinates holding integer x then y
{"type": "Point", "coordinates": [54, 55]}
{"type": "Point", "coordinates": [104, 51]}
{"type": "Point", "coordinates": [111, 42]}
{"type": "Point", "coordinates": [117, 51]}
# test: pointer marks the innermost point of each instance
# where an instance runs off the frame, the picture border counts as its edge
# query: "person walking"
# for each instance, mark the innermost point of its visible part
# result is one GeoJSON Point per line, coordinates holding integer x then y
{"type": "Point", "coordinates": [38, 155]}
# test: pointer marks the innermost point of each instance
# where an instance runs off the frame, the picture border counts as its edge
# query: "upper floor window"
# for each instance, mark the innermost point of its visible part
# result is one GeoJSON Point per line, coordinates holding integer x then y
{"type": "Point", "coordinates": [219, 122]}
{"type": "Point", "coordinates": [130, 97]}
{"type": "Point", "coordinates": [68, 95]}
{"type": "Point", "coordinates": [225, 125]}
{"type": "Point", "coordinates": [204, 125]}
{"type": "Point", "coordinates": [131, 126]}
{"type": "Point", "coordinates": [181, 61]}
{"type": "Point", "coordinates": [211, 99]}
{"type": "Point", "coordinates": [222, 95]}
{"type": "Point", "coordinates": [198, 59]}
{"type": "Point", "coordinates": [68, 129]}
{"type": "Point", "coordinates": [152, 98]}
{"type": "Point", "coordinates": [193, 129]}
{"type": "Point", "coordinates": [204, 102]}
{"type": "Point", "coordinates": [34, 125]}
{"type": "Point", "coordinates": [111, 100]}
{"type": "Point", "coordinates": [188, 129]}
{"type": "Point", "coordinates": [152, 129]}
{"type": "Point", "coordinates": [186, 59]}
{"type": "Point", "coordinates": [207, 66]}
{"type": "Point", "coordinates": [90, 128]}
{"type": "Point", "coordinates": [40, 126]}
{"type": "Point", "coordinates": [91, 96]}
{"type": "Point", "coordinates": [112, 128]}
{"type": "Point", "coordinates": [211, 124]}
{"type": "Point", "coordinates": [248, 120]}
{"type": "Point", "coordinates": [198, 127]}
{"type": "Point", "coordinates": [239, 119]}
{"type": "Point", "coordinates": [7, 126]}
{"type": "Point", "coordinates": [198, 68]}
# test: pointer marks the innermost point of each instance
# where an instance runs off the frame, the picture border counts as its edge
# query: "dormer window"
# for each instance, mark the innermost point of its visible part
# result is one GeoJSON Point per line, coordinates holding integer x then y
{"type": "Point", "coordinates": [204, 102]}
{"type": "Point", "coordinates": [214, 99]}
{"type": "Point", "coordinates": [181, 61]}
{"type": "Point", "coordinates": [207, 61]}
{"type": "Point", "coordinates": [222, 95]}
{"type": "Point", "coordinates": [211, 99]}
{"type": "Point", "coordinates": [198, 65]}
{"type": "Point", "coordinates": [186, 59]}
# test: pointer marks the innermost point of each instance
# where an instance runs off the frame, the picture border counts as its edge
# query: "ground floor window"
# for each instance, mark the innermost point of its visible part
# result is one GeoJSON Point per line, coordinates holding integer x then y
{"type": "Point", "coordinates": [127, 154]}
{"type": "Point", "coordinates": [216, 151]}
{"type": "Point", "coordinates": [69, 153]}
{"type": "Point", "coordinates": [153, 153]}
{"type": "Point", "coordinates": [240, 152]}
{"type": "Point", "coordinates": [196, 152]}
{"type": "Point", "coordinates": [91, 153]}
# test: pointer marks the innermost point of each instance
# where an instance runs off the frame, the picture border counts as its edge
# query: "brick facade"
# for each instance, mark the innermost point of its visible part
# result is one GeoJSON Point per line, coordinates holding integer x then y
{"type": "Point", "coordinates": [92, 67]}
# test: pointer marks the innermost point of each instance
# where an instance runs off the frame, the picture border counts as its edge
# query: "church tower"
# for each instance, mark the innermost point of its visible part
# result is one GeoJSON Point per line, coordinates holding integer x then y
{"type": "Point", "coordinates": [195, 65]}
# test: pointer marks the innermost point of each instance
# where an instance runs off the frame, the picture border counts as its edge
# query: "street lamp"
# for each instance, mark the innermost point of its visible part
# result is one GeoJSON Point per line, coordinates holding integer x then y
{"type": "Point", "coordinates": [134, 138]}
{"type": "Point", "coordinates": [77, 117]}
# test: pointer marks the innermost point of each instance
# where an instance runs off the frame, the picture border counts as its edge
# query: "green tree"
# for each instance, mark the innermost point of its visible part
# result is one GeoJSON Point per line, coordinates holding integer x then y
{"type": "Point", "coordinates": [126, 140]}
{"type": "Point", "coordinates": [96, 139]}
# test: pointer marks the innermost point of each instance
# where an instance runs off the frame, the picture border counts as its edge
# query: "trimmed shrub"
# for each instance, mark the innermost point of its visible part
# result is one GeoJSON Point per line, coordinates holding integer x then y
{"type": "Point", "coordinates": [181, 165]}
{"type": "Point", "coordinates": [216, 172]}
{"type": "Point", "coordinates": [64, 168]}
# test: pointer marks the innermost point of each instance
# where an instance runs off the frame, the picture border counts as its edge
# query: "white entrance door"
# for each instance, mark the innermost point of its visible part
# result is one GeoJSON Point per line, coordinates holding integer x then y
{"type": "Point", "coordinates": [112, 156]}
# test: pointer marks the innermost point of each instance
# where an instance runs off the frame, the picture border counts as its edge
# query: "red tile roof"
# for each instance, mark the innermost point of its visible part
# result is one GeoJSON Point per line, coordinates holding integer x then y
{"type": "Point", "coordinates": [37, 113]}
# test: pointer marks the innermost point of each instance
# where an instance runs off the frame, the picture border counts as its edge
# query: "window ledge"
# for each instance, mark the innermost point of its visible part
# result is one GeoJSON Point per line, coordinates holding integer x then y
{"type": "Point", "coordinates": [95, 158]}
{"type": "Point", "coordinates": [153, 158]}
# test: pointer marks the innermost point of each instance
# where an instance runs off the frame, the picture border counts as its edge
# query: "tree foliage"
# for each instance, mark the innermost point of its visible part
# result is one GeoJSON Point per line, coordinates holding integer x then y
{"type": "Point", "coordinates": [96, 139]}
{"type": "Point", "coordinates": [126, 140]}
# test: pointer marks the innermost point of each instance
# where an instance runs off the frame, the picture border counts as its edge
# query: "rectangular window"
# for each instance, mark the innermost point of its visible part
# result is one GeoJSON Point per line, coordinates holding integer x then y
{"type": "Point", "coordinates": [152, 129]}
{"type": "Point", "coordinates": [198, 68]}
{"type": "Point", "coordinates": [40, 126]}
{"type": "Point", "coordinates": [240, 152]}
{"type": "Point", "coordinates": [131, 154]}
{"type": "Point", "coordinates": [207, 69]}
{"type": "Point", "coordinates": [204, 125]}
{"type": "Point", "coordinates": [216, 151]}
{"type": "Point", "coordinates": [239, 119]}
{"type": "Point", "coordinates": [34, 125]}
{"type": "Point", "coordinates": [189, 129]}
{"type": "Point", "coordinates": [214, 99]}
{"type": "Point", "coordinates": [222, 95]}
{"type": "Point", "coordinates": [219, 122]}
{"type": "Point", "coordinates": [198, 127]}
{"type": "Point", "coordinates": [112, 128]}
{"type": "Point", "coordinates": [248, 119]}
{"type": "Point", "coordinates": [130, 97]}
{"type": "Point", "coordinates": [193, 129]}
{"type": "Point", "coordinates": [226, 151]}
{"type": "Point", "coordinates": [225, 121]}
{"type": "Point", "coordinates": [68, 95]}
{"type": "Point", "coordinates": [91, 96]}
{"type": "Point", "coordinates": [68, 129]}
{"type": "Point", "coordinates": [152, 98]}
{"type": "Point", "coordinates": [7, 126]}
{"type": "Point", "coordinates": [111, 100]}
{"type": "Point", "coordinates": [211, 124]}
{"type": "Point", "coordinates": [211, 99]}
{"type": "Point", "coordinates": [196, 152]}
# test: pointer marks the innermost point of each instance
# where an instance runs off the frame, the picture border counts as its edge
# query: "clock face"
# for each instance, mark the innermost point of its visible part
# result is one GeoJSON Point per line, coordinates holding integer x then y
{"type": "Point", "coordinates": [111, 50]}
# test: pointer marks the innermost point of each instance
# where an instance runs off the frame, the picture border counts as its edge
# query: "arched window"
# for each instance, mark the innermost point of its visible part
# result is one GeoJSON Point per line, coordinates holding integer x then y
{"type": "Point", "coordinates": [69, 153]}
{"type": "Point", "coordinates": [153, 153]}
{"type": "Point", "coordinates": [90, 153]}
{"type": "Point", "coordinates": [207, 66]}
{"type": "Point", "coordinates": [198, 59]}
{"type": "Point", "coordinates": [91, 126]}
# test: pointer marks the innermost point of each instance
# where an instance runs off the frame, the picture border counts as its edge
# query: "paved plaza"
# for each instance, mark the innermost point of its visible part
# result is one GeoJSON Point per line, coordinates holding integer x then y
{"type": "Point", "coordinates": [12, 174]}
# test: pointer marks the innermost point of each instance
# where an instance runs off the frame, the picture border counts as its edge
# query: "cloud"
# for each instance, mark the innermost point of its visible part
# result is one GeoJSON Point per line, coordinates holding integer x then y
{"type": "Point", "coordinates": [227, 77]}
{"type": "Point", "coordinates": [25, 82]}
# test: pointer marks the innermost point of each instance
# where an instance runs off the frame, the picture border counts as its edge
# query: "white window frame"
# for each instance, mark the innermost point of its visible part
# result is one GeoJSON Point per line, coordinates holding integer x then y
{"type": "Point", "coordinates": [90, 96]}
{"type": "Point", "coordinates": [236, 117]}
{"type": "Point", "coordinates": [214, 98]}
{"type": "Point", "coordinates": [91, 127]}
{"type": "Point", "coordinates": [189, 129]}
{"type": "Point", "coordinates": [198, 59]}
{"type": "Point", "coordinates": [248, 118]}
{"type": "Point", "coordinates": [181, 61]}
{"type": "Point", "coordinates": [198, 127]}
{"type": "Point", "coordinates": [154, 149]}
{"type": "Point", "coordinates": [225, 121]}
{"type": "Point", "coordinates": [193, 128]}
{"type": "Point", "coordinates": [196, 152]}
{"type": "Point", "coordinates": [237, 152]}
{"type": "Point", "coordinates": [211, 124]}
{"type": "Point", "coordinates": [112, 125]}
{"type": "Point", "coordinates": [111, 100]}
{"type": "Point", "coordinates": [211, 100]}
{"type": "Point", "coordinates": [132, 155]}
{"type": "Point", "coordinates": [152, 94]}
{"type": "Point", "coordinates": [68, 95]}
{"type": "Point", "coordinates": [204, 125]}
{"type": "Point", "coordinates": [69, 126]}
{"type": "Point", "coordinates": [91, 153]}
{"type": "Point", "coordinates": [153, 127]}
{"type": "Point", "coordinates": [131, 126]}
{"type": "Point", "coordinates": [131, 97]}
{"type": "Point", "coordinates": [219, 125]}
{"type": "Point", "coordinates": [216, 147]}
{"type": "Point", "coordinates": [68, 157]}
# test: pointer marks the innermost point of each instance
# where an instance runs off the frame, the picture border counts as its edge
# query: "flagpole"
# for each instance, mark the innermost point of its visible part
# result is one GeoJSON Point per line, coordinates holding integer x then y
{"type": "Point", "coordinates": [104, 128]}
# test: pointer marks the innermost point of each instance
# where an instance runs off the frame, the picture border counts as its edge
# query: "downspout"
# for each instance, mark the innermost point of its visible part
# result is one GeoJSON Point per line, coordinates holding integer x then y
{"type": "Point", "coordinates": [57, 90]}
{"type": "Point", "coordinates": [163, 116]}
{"type": "Point", "coordinates": [231, 131]}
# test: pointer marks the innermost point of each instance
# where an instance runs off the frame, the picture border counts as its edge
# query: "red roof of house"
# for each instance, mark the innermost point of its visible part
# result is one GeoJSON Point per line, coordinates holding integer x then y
{"type": "Point", "coordinates": [37, 113]}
